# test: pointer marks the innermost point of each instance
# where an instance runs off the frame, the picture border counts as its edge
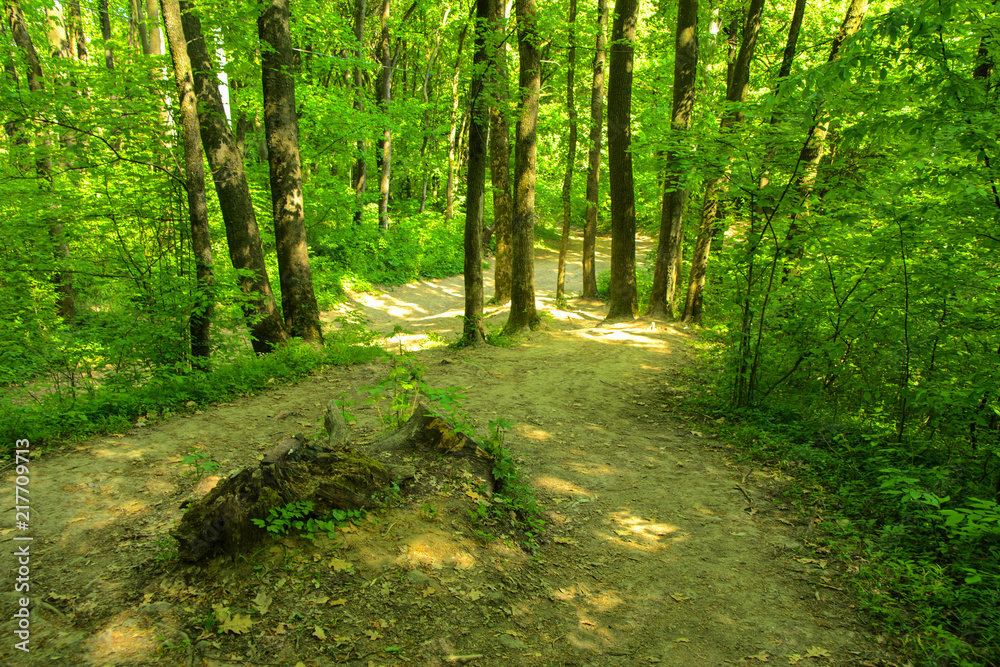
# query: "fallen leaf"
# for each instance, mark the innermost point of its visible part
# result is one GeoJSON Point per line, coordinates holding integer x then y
{"type": "Point", "coordinates": [319, 599]}
{"type": "Point", "coordinates": [280, 629]}
{"type": "Point", "coordinates": [262, 602]}
{"type": "Point", "coordinates": [238, 624]}
{"type": "Point", "coordinates": [338, 602]}
{"type": "Point", "coordinates": [473, 495]}
{"type": "Point", "coordinates": [762, 656]}
{"type": "Point", "coordinates": [146, 599]}
{"type": "Point", "coordinates": [340, 565]}
{"type": "Point", "coordinates": [794, 659]}
{"type": "Point", "coordinates": [682, 639]}
{"type": "Point", "coordinates": [319, 634]}
{"type": "Point", "coordinates": [373, 635]}
{"type": "Point", "coordinates": [817, 652]}
{"type": "Point", "coordinates": [678, 597]}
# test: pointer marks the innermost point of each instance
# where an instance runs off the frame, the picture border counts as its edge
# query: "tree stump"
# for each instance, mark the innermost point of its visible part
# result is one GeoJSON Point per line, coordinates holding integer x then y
{"type": "Point", "coordinates": [328, 473]}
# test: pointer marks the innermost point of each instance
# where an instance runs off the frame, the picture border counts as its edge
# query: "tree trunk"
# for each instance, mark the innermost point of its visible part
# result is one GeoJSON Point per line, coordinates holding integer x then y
{"type": "Point", "coordinates": [500, 159]}
{"type": "Point", "coordinates": [359, 174]}
{"type": "Point", "coordinates": [594, 156]}
{"type": "Point", "coordinates": [63, 280]}
{"type": "Point", "coordinates": [153, 28]}
{"type": "Point", "coordinates": [737, 91]}
{"type": "Point", "coordinates": [449, 190]}
{"type": "Point", "coordinates": [425, 90]}
{"type": "Point", "coordinates": [281, 127]}
{"type": "Point", "coordinates": [475, 193]}
{"type": "Point", "coordinates": [137, 25]}
{"type": "Point", "coordinates": [522, 296]}
{"type": "Point", "coordinates": [567, 188]}
{"type": "Point", "coordinates": [105, 19]}
{"type": "Point", "coordinates": [624, 297]}
{"type": "Point", "coordinates": [668, 252]}
{"type": "Point", "coordinates": [383, 93]}
{"type": "Point", "coordinates": [242, 233]}
{"type": "Point", "coordinates": [76, 34]}
{"type": "Point", "coordinates": [194, 172]}
{"type": "Point", "coordinates": [812, 151]}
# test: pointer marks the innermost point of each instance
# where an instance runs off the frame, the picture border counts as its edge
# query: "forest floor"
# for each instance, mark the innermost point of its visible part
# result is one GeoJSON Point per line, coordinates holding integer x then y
{"type": "Point", "coordinates": [658, 547]}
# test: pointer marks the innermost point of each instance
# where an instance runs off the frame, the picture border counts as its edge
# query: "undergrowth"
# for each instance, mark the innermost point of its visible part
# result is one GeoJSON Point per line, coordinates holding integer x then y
{"type": "Point", "coordinates": [916, 523]}
{"type": "Point", "coordinates": [114, 405]}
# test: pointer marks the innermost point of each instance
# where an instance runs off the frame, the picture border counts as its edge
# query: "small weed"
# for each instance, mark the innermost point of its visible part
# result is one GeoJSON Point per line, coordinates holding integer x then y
{"type": "Point", "coordinates": [200, 464]}
{"type": "Point", "coordinates": [296, 516]}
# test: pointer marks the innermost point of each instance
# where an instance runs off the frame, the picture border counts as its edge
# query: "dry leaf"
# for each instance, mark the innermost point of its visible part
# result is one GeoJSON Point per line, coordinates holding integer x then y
{"type": "Point", "coordinates": [262, 602]}
{"type": "Point", "coordinates": [340, 565]}
{"type": "Point", "coordinates": [678, 597]}
{"type": "Point", "coordinates": [319, 634]}
{"type": "Point", "coordinates": [762, 656]}
{"type": "Point", "coordinates": [280, 629]}
{"type": "Point", "coordinates": [817, 652]}
{"type": "Point", "coordinates": [473, 495]}
{"type": "Point", "coordinates": [682, 639]}
{"type": "Point", "coordinates": [338, 602]}
{"type": "Point", "coordinates": [319, 599]}
{"type": "Point", "coordinates": [237, 624]}
{"type": "Point", "coordinates": [373, 635]}
{"type": "Point", "coordinates": [794, 659]}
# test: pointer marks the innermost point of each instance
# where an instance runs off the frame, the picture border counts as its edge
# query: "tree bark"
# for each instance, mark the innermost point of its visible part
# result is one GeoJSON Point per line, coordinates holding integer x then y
{"type": "Point", "coordinates": [228, 173]}
{"type": "Point", "coordinates": [281, 128]}
{"type": "Point", "coordinates": [567, 188]}
{"type": "Point", "coordinates": [500, 159]}
{"type": "Point", "coordinates": [668, 252]}
{"type": "Point", "coordinates": [449, 190]}
{"type": "Point", "coordinates": [425, 90]}
{"type": "Point", "coordinates": [194, 172]}
{"type": "Point", "coordinates": [359, 176]}
{"type": "Point", "coordinates": [475, 193]}
{"type": "Point", "coordinates": [63, 280]}
{"type": "Point", "coordinates": [105, 20]}
{"type": "Point", "coordinates": [737, 91]}
{"type": "Point", "coordinates": [624, 296]}
{"type": "Point", "coordinates": [383, 93]}
{"type": "Point", "coordinates": [522, 297]}
{"type": "Point", "coordinates": [153, 28]}
{"type": "Point", "coordinates": [812, 151]}
{"type": "Point", "coordinates": [594, 156]}
{"type": "Point", "coordinates": [76, 33]}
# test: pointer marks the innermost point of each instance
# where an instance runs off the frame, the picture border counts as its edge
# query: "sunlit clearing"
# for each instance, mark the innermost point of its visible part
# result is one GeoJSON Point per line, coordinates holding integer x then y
{"type": "Point", "coordinates": [389, 306]}
{"type": "Point", "coordinates": [593, 469]}
{"type": "Point", "coordinates": [533, 433]}
{"type": "Point", "coordinates": [436, 550]}
{"type": "Point", "coordinates": [557, 485]}
{"type": "Point", "coordinates": [620, 337]}
{"type": "Point", "coordinates": [124, 640]}
{"type": "Point", "coordinates": [639, 533]}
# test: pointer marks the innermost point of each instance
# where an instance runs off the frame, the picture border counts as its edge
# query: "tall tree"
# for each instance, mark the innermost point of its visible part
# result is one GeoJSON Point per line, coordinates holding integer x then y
{"type": "Point", "coordinates": [624, 295]}
{"type": "Point", "coordinates": [567, 188]}
{"type": "Point", "coordinates": [737, 91]}
{"type": "Point", "coordinates": [815, 144]}
{"type": "Point", "coordinates": [194, 184]}
{"type": "Point", "coordinates": [668, 252]}
{"type": "Point", "coordinates": [594, 155]}
{"type": "Point", "coordinates": [475, 194]}
{"type": "Point", "coordinates": [359, 175]}
{"type": "Point", "coordinates": [522, 294]}
{"type": "Point", "coordinates": [105, 20]}
{"type": "Point", "coordinates": [425, 91]}
{"type": "Point", "coordinates": [62, 278]}
{"type": "Point", "coordinates": [383, 93]}
{"type": "Point", "coordinates": [76, 33]}
{"type": "Point", "coordinates": [281, 127]}
{"type": "Point", "coordinates": [454, 133]}
{"type": "Point", "coordinates": [503, 204]}
{"type": "Point", "coordinates": [229, 175]}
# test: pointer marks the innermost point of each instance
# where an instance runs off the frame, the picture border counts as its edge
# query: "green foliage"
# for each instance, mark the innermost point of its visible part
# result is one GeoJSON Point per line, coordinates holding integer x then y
{"type": "Point", "coordinates": [297, 516]}
{"type": "Point", "coordinates": [199, 463]}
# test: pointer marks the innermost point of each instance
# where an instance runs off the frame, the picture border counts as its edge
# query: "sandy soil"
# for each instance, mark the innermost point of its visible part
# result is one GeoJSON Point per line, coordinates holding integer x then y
{"type": "Point", "coordinates": [658, 549]}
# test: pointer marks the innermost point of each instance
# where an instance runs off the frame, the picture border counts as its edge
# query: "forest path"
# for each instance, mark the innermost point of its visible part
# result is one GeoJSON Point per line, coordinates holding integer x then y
{"type": "Point", "coordinates": [652, 554]}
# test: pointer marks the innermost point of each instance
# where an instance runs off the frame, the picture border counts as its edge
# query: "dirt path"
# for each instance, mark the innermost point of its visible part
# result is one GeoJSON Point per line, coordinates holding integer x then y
{"type": "Point", "coordinates": [658, 549]}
